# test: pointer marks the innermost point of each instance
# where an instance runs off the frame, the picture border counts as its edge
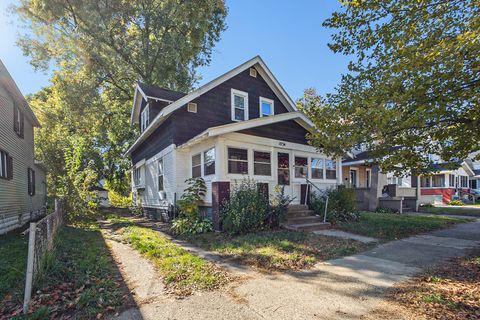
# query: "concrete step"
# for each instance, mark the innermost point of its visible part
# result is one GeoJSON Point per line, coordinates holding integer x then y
{"type": "Point", "coordinates": [303, 220]}
{"type": "Point", "coordinates": [297, 207]}
{"type": "Point", "coordinates": [300, 213]}
{"type": "Point", "coordinates": [308, 226]}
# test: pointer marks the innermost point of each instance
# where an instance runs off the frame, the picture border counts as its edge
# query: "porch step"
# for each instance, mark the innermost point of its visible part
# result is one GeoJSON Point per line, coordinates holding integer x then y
{"type": "Point", "coordinates": [303, 220]}
{"type": "Point", "coordinates": [308, 226]}
{"type": "Point", "coordinates": [300, 213]}
{"type": "Point", "coordinates": [297, 207]}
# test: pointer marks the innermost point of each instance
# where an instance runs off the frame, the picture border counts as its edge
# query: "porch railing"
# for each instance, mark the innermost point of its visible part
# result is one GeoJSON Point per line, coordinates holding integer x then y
{"type": "Point", "coordinates": [322, 193]}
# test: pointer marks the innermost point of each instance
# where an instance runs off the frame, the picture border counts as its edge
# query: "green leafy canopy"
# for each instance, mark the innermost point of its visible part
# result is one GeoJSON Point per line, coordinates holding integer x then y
{"type": "Point", "coordinates": [98, 50]}
{"type": "Point", "coordinates": [414, 83]}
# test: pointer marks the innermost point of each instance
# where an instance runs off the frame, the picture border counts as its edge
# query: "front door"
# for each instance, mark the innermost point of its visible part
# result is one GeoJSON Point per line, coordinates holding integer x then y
{"type": "Point", "coordinates": [284, 178]}
{"type": "Point", "coordinates": [353, 178]}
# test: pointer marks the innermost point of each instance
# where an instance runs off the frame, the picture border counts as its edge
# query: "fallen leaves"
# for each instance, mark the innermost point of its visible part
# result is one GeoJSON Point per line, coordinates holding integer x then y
{"type": "Point", "coordinates": [450, 291]}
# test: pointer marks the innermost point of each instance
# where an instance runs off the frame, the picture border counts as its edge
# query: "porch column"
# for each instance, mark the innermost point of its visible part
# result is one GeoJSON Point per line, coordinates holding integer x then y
{"type": "Point", "coordinates": [339, 171]}
{"type": "Point", "coordinates": [379, 179]}
{"type": "Point", "coordinates": [220, 160]}
{"type": "Point", "coordinates": [220, 193]}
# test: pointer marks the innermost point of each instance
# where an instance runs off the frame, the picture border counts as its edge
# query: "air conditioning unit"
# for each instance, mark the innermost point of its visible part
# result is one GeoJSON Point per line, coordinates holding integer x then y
{"type": "Point", "coordinates": [163, 195]}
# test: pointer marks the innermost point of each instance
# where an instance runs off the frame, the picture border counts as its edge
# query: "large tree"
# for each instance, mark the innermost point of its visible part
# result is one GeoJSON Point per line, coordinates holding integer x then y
{"type": "Point", "coordinates": [413, 86]}
{"type": "Point", "coordinates": [98, 49]}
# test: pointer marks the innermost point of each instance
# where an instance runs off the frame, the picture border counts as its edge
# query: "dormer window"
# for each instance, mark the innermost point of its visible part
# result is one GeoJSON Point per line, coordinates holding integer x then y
{"type": "Point", "coordinates": [239, 105]}
{"type": "Point", "coordinates": [266, 107]}
{"type": "Point", "coordinates": [145, 118]}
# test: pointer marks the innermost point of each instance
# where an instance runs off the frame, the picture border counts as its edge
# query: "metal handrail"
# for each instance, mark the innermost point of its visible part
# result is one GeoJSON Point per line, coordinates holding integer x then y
{"type": "Point", "coordinates": [322, 194]}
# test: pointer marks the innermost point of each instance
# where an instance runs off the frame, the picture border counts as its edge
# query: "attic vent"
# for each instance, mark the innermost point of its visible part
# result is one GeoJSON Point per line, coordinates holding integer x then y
{"type": "Point", "coordinates": [192, 107]}
{"type": "Point", "coordinates": [253, 72]}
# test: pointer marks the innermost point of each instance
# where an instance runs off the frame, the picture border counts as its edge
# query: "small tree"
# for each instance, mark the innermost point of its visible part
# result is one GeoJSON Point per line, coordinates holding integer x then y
{"type": "Point", "coordinates": [190, 220]}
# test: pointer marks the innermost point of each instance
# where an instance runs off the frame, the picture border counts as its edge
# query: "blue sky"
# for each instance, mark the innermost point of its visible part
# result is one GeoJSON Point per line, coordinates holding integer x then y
{"type": "Point", "coordinates": [288, 35]}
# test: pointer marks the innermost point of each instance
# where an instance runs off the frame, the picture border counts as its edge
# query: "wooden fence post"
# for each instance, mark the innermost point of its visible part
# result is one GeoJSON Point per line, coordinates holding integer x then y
{"type": "Point", "coordinates": [29, 275]}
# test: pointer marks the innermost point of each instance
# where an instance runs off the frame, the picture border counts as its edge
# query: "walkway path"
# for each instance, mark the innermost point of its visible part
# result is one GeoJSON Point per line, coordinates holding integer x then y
{"type": "Point", "coordinates": [347, 288]}
{"type": "Point", "coordinates": [345, 235]}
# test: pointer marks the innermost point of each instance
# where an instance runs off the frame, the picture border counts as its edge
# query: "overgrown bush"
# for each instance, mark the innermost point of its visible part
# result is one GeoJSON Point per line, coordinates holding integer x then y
{"type": "Point", "coordinates": [456, 203]}
{"type": "Point", "coordinates": [385, 210]}
{"type": "Point", "coordinates": [187, 226]}
{"type": "Point", "coordinates": [246, 211]}
{"type": "Point", "coordinates": [279, 202]}
{"type": "Point", "coordinates": [342, 204]}
{"type": "Point", "coordinates": [118, 201]}
{"type": "Point", "coordinates": [190, 220]}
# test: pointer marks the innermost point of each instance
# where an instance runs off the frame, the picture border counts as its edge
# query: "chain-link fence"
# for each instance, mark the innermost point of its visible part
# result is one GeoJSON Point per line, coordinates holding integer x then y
{"type": "Point", "coordinates": [40, 245]}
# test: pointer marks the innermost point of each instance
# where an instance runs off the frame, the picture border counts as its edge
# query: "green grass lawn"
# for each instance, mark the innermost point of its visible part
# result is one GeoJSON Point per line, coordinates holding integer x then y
{"type": "Point", "coordinates": [182, 271]}
{"type": "Point", "coordinates": [81, 280]}
{"type": "Point", "coordinates": [278, 250]}
{"type": "Point", "coordinates": [13, 261]}
{"type": "Point", "coordinates": [474, 212]}
{"type": "Point", "coordinates": [391, 226]}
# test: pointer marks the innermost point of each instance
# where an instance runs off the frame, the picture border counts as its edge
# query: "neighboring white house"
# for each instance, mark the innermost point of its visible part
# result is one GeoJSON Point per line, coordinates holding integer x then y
{"type": "Point", "coordinates": [239, 125]}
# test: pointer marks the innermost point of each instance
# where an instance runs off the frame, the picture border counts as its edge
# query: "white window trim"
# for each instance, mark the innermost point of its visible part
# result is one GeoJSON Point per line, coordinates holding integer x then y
{"type": "Point", "coordinates": [163, 174]}
{"type": "Point", "coordinates": [270, 101]}
{"type": "Point", "coordinates": [253, 162]}
{"type": "Point", "coordinates": [228, 160]}
{"type": "Point", "coordinates": [299, 155]}
{"type": "Point", "coordinates": [145, 118]}
{"type": "Point", "coordinates": [202, 161]}
{"type": "Point", "coordinates": [235, 92]}
{"type": "Point", "coordinates": [201, 164]}
{"type": "Point", "coordinates": [310, 171]}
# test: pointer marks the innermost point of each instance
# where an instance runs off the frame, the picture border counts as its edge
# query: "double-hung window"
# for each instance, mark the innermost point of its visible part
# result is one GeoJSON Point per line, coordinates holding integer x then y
{"type": "Point", "coordinates": [237, 161]}
{"type": "Point", "coordinates": [262, 163]}
{"type": "Point", "coordinates": [31, 181]}
{"type": "Point", "coordinates": [451, 179]}
{"type": "Point", "coordinates": [301, 165]}
{"type": "Point", "coordinates": [209, 162]}
{"type": "Point", "coordinates": [239, 105]}
{"type": "Point", "coordinates": [266, 107]}
{"type": "Point", "coordinates": [317, 168]}
{"type": "Point", "coordinates": [196, 166]}
{"type": "Point", "coordinates": [463, 182]}
{"type": "Point", "coordinates": [6, 165]}
{"type": "Point", "coordinates": [145, 118]}
{"type": "Point", "coordinates": [438, 180]}
{"type": "Point", "coordinates": [161, 186]}
{"type": "Point", "coordinates": [330, 169]}
{"type": "Point", "coordinates": [137, 176]}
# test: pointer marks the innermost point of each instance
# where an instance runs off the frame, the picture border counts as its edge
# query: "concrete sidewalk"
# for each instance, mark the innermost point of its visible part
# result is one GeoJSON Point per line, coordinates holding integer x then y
{"type": "Point", "coordinates": [346, 288]}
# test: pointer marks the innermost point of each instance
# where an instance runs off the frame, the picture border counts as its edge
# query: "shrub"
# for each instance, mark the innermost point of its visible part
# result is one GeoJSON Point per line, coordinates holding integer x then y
{"type": "Point", "coordinates": [190, 221]}
{"type": "Point", "coordinates": [385, 210]}
{"type": "Point", "coordinates": [456, 203]}
{"type": "Point", "coordinates": [187, 226]}
{"type": "Point", "coordinates": [278, 207]}
{"type": "Point", "coordinates": [342, 205]}
{"type": "Point", "coordinates": [246, 211]}
{"type": "Point", "coordinates": [118, 201]}
{"type": "Point", "coordinates": [427, 205]}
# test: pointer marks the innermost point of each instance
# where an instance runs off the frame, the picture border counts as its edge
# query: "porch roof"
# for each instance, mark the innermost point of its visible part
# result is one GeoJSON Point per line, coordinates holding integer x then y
{"type": "Point", "coordinates": [299, 117]}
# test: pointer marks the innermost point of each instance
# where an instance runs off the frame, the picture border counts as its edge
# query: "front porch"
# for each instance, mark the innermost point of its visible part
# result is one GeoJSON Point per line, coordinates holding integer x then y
{"type": "Point", "coordinates": [374, 189]}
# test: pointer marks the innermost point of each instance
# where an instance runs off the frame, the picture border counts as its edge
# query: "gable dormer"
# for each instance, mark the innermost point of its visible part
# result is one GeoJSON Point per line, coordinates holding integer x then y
{"type": "Point", "coordinates": [149, 101]}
